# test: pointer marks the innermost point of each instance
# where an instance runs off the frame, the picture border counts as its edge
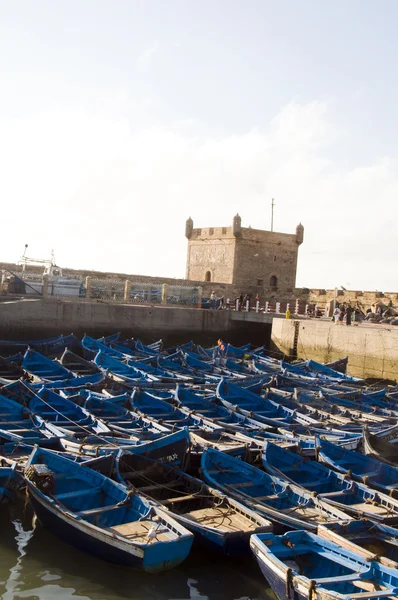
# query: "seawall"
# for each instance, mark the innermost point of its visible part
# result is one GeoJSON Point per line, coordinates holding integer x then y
{"type": "Point", "coordinates": [372, 350]}
{"type": "Point", "coordinates": [46, 317]}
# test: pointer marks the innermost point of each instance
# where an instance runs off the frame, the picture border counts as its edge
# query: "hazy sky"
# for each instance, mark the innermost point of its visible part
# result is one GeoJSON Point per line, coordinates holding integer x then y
{"type": "Point", "coordinates": [119, 119]}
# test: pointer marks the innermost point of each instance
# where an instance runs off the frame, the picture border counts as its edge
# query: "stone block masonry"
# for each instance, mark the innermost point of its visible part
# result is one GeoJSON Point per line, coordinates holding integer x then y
{"type": "Point", "coordinates": [252, 260]}
{"type": "Point", "coordinates": [372, 350]}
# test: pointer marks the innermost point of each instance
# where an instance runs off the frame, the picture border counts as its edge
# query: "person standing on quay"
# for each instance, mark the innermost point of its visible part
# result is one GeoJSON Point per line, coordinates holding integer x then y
{"type": "Point", "coordinates": [348, 314]}
{"type": "Point", "coordinates": [336, 315]}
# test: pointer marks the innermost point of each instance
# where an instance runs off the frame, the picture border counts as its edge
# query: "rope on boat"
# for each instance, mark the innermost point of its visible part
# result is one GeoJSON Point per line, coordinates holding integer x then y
{"type": "Point", "coordinates": [106, 442]}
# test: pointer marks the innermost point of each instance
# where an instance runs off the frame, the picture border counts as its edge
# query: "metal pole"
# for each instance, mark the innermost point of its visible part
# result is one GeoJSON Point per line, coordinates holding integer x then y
{"type": "Point", "coordinates": [272, 214]}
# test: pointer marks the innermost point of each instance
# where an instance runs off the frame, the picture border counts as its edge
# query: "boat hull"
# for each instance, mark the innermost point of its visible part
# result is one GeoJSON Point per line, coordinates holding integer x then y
{"type": "Point", "coordinates": [92, 541]}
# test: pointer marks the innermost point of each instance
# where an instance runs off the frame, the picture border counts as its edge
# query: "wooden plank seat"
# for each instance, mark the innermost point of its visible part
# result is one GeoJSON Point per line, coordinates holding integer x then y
{"type": "Point", "coordinates": [138, 531]}
{"type": "Point", "coordinates": [179, 499]}
{"type": "Point", "coordinates": [97, 511]}
{"type": "Point", "coordinates": [222, 518]}
{"type": "Point", "coordinates": [85, 492]}
{"type": "Point", "coordinates": [377, 594]}
{"type": "Point", "coordinates": [340, 578]}
{"type": "Point", "coordinates": [243, 484]}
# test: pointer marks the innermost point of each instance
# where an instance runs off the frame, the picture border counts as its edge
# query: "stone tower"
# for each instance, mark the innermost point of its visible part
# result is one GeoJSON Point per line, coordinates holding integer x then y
{"type": "Point", "coordinates": [245, 257]}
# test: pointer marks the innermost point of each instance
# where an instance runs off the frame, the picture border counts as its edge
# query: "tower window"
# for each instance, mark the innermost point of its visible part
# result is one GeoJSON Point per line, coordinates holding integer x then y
{"type": "Point", "coordinates": [208, 276]}
{"type": "Point", "coordinates": [260, 281]}
{"type": "Point", "coordinates": [274, 257]}
{"type": "Point", "coordinates": [273, 282]}
{"type": "Point", "coordinates": [211, 231]}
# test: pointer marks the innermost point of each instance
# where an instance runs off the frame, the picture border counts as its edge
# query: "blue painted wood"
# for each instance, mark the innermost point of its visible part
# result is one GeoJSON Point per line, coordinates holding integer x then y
{"type": "Point", "coordinates": [302, 565]}
{"type": "Point", "coordinates": [362, 468]}
{"type": "Point", "coordinates": [97, 515]}
{"type": "Point", "coordinates": [354, 498]}
{"type": "Point", "coordinates": [217, 521]}
{"type": "Point", "coordinates": [271, 496]}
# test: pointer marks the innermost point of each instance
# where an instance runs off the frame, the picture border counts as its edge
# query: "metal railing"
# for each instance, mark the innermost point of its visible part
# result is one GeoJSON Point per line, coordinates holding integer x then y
{"type": "Point", "coordinates": [133, 292]}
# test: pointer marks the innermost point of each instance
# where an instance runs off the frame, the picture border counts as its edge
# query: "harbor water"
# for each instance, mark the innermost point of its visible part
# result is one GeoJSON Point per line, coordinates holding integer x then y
{"type": "Point", "coordinates": [35, 565]}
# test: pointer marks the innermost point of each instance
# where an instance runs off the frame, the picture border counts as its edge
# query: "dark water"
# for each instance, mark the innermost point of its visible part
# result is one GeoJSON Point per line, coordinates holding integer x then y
{"type": "Point", "coordinates": [35, 565]}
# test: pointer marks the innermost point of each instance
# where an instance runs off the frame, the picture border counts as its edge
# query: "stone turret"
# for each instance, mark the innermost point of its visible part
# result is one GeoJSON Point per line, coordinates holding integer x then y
{"type": "Point", "coordinates": [188, 228]}
{"type": "Point", "coordinates": [299, 234]}
{"type": "Point", "coordinates": [237, 225]}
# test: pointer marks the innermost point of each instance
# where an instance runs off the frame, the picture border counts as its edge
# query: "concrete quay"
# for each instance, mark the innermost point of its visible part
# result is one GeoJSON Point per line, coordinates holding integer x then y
{"type": "Point", "coordinates": [372, 350]}
{"type": "Point", "coordinates": [45, 317]}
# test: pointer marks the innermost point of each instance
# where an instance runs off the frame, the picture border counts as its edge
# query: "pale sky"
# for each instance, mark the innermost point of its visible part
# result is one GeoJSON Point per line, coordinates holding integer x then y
{"type": "Point", "coordinates": [121, 118]}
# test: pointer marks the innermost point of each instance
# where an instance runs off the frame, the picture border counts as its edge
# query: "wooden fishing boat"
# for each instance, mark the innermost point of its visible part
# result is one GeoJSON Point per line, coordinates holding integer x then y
{"type": "Point", "coordinates": [118, 418]}
{"type": "Point", "coordinates": [169, 449]}
{"type": "Point", "coordinates": [208, 407]}
{"type": "Point", "coordinates": [78, 365]}
{"type": "Point", "coordinates": [360, 467]}
{"type": "Point", "coordinates": [266, 411]}
{"type": "Point", "coordinates": [365, 537]}
{"type": "Point", "coordinates": [216, 520]}
{"type": "Point", "coordinates": [339, 365]}
{"type": "Point", "coordinates": [302, 565]}
{"type": "Point", "coordinates": [51, 347]}
{"type": "Point", "coordinates": [337, 489]}
{"type": "Point", "coordinates": [121, 371]}
{"type": "Point", "coordinates": [101, 517]}
{"type": "Point", "coordinates": [284, 503]}
{"type": "Point", "coordinates": [24, 426]}
{"type": "Point", "coordinates": [45, 370]}
{"type": "Point", "coordinates": [379, 448]}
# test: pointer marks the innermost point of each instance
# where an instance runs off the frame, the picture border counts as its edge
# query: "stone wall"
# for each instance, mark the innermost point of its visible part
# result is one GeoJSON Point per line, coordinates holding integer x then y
{"type": "Point", "coordinates": [365, 298]}
{"type": "Point", "coordinates": [372, 350]}
{"type": "Point", "coordinates": [253, 260]}
{"type": "Point", "coordinates": [261, 255]}
{"type": "Point", "coordinates": [47, 317]}
{"type": "Point", "coordinates": [211, 251]}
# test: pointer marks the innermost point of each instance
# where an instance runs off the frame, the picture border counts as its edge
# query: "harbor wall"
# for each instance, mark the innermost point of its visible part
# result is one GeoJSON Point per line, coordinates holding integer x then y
{"type": "Point", "coordinates": [372, 350]}
{"type": "Point", "coordinates": [45, 317]}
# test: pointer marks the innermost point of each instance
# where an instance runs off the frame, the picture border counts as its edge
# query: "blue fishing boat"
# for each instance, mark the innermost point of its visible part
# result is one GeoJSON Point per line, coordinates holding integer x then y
{"type": "Point", "coordinates": [360, 467]}
{"type": "Point", "coordinates": [203, 431]}
{"type": "Point", "coordinates": [351, 497]}
{"type": "Point", "coordinates": [380, 448]}
{"type": "Point", "coordinates": [368, 537]}
{"type": "Point", "coordinates": [101, 517]}
{"type": "Point", "coordinates": [274, 498]}
{"type": "Point", "coordinates": [208, 407]}
{"type": "Point", "coordinates": [120, 371]}
{"type": "Point", "coordinates": [76, 364]}
{"type": "Point", "coordinates": [45, 370]}
{"type": "Point", "coordinates": [118, 418]}
{"type": "Point", "coordinates": [23, 426]}
{"type": "Point", "coordinates": [170, 449]}
{"type": "Point", "coordinates": [301, 565]}
{"type": "Point", "coordinates": [51, 347]}
{"type": "Point", "coordinates": [216, 521]}
{"type": "Point", "coordinates": [263, 410]}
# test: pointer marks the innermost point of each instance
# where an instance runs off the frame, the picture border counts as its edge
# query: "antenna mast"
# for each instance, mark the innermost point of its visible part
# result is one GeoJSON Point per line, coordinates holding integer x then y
{"type": "Point", "coordinates": [272, 214]}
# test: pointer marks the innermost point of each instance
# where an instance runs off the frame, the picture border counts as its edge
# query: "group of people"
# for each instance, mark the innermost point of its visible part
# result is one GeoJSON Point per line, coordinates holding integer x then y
{"type": "Point", "coordinates": [241, 301]}
{"type": "Point", "coordinates": [245, 300]}
{"type": "Point", "coordinates": [346, 313]}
